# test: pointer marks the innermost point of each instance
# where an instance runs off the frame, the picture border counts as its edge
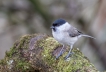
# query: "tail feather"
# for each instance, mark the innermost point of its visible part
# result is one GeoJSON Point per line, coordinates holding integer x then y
{"type": "Point", "coordinates": [88, 36]}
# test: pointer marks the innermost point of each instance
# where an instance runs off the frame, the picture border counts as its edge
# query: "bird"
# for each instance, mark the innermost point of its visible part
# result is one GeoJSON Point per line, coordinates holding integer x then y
{"type": "Point", "coordinates": [66, 34]}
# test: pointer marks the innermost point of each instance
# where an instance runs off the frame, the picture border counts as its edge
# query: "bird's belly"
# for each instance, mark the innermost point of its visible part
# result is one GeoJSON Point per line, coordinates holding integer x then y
{"type": "Point", "coordinates": [65, 38]}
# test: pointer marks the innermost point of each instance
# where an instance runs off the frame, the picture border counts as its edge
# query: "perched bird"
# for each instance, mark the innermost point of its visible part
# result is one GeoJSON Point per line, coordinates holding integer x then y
{"type": "Point", "coordinates": [66, 34]}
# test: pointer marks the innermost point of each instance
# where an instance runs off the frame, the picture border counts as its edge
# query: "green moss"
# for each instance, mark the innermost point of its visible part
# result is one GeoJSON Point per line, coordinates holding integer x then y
{"type": "Point", "coordinates": [22, 43]}
{"type": "Point", "coordinates": [25, 59]}
{"type": "Point", "coordinates": [22, 65]}
{"type": "Point", "coordinates": [10, 53]}
{"type": "Point", "coordinates": [48, 44]}
{"type": "Point", "coordinates": [2, 62]}
{"type": "Point", "coordinates": [16, 54]}
{"type": "Point", "coordinates": [76, 62]}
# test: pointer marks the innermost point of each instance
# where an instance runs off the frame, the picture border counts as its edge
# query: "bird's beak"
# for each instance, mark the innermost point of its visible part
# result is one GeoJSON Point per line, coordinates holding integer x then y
{"type": "Point", "coordinates": [52, 27]}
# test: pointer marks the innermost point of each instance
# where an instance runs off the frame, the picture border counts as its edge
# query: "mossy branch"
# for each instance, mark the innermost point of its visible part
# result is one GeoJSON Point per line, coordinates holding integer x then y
{"type": "Point", "coordinates": [36, 53]}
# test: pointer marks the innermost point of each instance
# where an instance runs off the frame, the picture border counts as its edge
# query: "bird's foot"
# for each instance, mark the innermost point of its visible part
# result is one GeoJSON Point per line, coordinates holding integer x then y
{"type": "Point", "coordinates": [69, 54]}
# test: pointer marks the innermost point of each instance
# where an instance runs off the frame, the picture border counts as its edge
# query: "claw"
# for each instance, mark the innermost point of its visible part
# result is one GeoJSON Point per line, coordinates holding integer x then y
{"type": "Point", "coordinates": [70, 52]}
{"type": "Point", "coordinates": [68, 55]}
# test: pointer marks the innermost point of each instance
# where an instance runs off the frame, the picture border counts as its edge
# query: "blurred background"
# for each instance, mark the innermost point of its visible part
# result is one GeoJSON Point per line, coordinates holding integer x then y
{"type": "Point", "coordinates": [20, 17]}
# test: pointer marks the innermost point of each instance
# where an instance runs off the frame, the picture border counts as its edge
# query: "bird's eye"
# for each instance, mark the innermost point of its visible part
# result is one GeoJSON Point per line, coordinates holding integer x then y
{"type": "Point", "coordinates": [55, 24]}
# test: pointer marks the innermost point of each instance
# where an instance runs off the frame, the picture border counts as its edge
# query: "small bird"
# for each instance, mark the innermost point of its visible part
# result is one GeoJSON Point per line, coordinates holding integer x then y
{"type": "Point", "coordinates": [66, 34]}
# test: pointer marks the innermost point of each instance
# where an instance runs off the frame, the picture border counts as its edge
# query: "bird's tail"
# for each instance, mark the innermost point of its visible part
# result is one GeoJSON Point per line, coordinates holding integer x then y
{"type": "Point", "coordinates": [88, 36]}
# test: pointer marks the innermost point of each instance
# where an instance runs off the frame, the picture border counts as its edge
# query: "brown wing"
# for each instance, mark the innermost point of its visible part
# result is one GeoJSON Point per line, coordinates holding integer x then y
{"type": "Point", "coordinates": [73, 32]}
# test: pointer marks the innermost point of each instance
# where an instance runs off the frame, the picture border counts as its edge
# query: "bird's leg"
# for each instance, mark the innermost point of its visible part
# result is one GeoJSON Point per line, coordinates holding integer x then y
{"type": "Point", "coordinates": [69, 53]}
{"type": "Point", "coordinates": [60, 53]}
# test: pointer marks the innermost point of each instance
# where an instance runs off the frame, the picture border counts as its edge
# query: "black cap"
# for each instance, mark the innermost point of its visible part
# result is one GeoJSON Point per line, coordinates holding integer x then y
{"type": "Point", "coordinates": [59, 22]}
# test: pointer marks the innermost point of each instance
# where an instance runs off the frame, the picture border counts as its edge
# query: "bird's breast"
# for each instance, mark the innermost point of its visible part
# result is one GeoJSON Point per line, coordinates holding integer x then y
{"type": "Point", "coordinates": [58, 36]}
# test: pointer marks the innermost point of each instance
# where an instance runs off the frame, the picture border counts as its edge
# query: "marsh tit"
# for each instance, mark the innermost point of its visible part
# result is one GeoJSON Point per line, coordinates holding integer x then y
{"type": "Point", "coordinates": [65, 34]}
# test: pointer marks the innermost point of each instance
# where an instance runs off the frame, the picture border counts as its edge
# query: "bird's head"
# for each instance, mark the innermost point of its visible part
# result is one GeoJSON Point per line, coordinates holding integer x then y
{"type": "Point", "coordinates": [57, 23]}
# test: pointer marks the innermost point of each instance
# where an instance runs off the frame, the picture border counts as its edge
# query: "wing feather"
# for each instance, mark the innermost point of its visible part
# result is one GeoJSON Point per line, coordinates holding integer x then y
{"type": "Point", "coordinates": [73, 32]}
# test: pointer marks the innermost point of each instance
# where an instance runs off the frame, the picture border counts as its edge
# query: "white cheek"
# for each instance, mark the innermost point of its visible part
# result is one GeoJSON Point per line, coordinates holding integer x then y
{"type": "Point", "coordinates": [64, 27]}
